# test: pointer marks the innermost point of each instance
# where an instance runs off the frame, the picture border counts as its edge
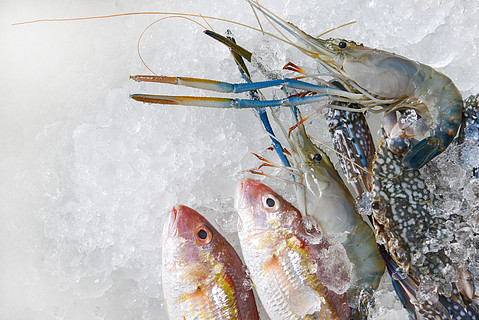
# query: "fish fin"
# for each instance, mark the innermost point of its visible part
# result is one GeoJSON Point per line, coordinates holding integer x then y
{"type": "Point", "coordinates": [198, 294]}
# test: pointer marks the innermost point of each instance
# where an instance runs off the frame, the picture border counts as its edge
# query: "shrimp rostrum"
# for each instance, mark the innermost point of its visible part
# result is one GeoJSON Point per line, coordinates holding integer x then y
{"type": "Point", "coordinates": [371, 77]}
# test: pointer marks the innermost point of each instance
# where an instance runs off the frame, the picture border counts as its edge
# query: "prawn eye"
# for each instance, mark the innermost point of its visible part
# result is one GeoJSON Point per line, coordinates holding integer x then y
{"type": "Point", "coordinates": [317, 157]}
{"type": "Point", "coordinates": [270, 202]}
{"type": "Point", "coordinates": [342, 44]}
{"type": "Point", "coordinates": [203, 234]}
{"type": "Point", "coordinates": [376, 205]}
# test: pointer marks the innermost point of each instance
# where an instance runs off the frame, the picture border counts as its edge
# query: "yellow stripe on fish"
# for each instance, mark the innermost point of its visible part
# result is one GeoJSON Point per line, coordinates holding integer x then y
{"type": "Point", "coordinates": [297, 273]}
{"type": "Point", "coordinates": [203, 277]}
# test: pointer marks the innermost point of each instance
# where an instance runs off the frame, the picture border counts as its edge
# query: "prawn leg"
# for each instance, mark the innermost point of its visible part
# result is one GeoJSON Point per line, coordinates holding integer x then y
{"type": "Point", "coordinates": [238, 54]}
{"type": "Point", "coordinates": [227, 87]}
{"type": "Point", "coordinates": [381, 75]}
{"type": "Point", "coordinates": [215, 102]}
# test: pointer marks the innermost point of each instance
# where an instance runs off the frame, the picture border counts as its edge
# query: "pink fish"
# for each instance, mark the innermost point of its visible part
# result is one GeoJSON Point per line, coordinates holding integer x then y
{"type": "Point", "coordinates": [297, 273]}
{"type": "Point", "coordinates": [203, 276]}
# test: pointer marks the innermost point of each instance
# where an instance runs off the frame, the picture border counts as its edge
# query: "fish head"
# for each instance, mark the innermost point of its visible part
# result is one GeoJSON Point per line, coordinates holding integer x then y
{"type": "Point", "coordinates": [189, 225]}
{"type": "Point", "coordinates": [190, 243]}
{"type": "Point", "coordinates": [261, 209]}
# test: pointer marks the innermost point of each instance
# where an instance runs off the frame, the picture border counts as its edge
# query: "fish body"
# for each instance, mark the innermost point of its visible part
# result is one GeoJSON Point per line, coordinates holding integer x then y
{"type": "Point", "coordinates": [297, 273]}
{"type": "Point", "coordinates": [203, 276]}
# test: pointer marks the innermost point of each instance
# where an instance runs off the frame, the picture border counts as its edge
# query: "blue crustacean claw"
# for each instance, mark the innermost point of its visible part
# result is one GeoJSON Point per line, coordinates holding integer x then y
{"type": "Point", "coordinates": [421, 153]}
{"type": "Point", "coordinates": [404, 224]}
{"type": "Point", "coordinates": [426, 149]}
{"type": "Point", "coordinates": [225, 87]}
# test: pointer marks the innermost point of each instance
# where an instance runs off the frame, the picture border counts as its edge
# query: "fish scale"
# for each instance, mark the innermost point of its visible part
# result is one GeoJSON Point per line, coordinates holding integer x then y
{"type": "Point", "coordinates": [285, 273]}
{"type": "Point", "coordinates": [292, 274]}
{"type": "Point", "coordinates": [285, 277]}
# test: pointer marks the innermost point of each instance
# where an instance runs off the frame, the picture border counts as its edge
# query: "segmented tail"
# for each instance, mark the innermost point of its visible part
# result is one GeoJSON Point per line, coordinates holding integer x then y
{"type": "Point", "coordinates": [426, 149]}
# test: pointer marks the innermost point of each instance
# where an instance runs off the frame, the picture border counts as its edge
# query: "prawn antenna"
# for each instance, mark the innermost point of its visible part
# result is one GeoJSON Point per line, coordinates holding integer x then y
{"type": "Point", "coordinates": [336, 28]}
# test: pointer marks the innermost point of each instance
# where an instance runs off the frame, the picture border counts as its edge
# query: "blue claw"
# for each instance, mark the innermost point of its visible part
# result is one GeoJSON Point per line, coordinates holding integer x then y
{"type": "Point", "coordinates": [215, 102]}
{"type": "Point", "coordinates": [238, 52]}
{"type": "Point", "coordinates": [227, 87]}
{"type": "Point", "coordinates": [426, 149]}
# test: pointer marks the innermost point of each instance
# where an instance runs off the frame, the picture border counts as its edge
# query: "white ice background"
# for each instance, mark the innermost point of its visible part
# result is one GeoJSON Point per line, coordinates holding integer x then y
{"type": "Point", "coordinates": [86, 173]}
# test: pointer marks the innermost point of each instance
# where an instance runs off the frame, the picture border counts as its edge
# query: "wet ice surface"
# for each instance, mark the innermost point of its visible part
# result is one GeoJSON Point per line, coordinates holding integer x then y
{"type": "Point", "coordinates": [87, 174]}
{"type": "Point", "coordinates": [456, 193]}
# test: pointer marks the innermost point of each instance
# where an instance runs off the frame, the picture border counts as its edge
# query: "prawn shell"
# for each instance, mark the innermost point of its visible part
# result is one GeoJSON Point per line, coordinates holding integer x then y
{"type": "Point", "coordinates": [382, 73]}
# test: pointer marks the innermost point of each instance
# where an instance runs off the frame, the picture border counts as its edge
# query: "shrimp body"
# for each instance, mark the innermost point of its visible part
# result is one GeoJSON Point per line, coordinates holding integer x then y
{"type": "Point", "coordinates": [328, 200]}
{"type": "Point", "coordinates": [370, 77]}
{"type": "Point", "coordinates": [383, 75]}
{"type": "Point", "coordinates": [440, 102]}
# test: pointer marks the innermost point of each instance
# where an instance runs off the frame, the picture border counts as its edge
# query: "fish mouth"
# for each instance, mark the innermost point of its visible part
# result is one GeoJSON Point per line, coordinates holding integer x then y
{"type": "Point", "coordinates": [172, 222]}
{"type": "Point", "coordinates": [240, 201]}
{"type": "Point", "coordinates": [247, 194]}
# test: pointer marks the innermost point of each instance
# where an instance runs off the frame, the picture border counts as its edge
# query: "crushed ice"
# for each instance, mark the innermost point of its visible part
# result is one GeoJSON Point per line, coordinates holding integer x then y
{"type": "Point", "coordinates": [88, 174]}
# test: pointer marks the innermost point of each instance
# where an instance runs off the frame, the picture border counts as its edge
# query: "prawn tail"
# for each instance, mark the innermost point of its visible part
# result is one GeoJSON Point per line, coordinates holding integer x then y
{"type": "Point", "coordinates": [426, 149]}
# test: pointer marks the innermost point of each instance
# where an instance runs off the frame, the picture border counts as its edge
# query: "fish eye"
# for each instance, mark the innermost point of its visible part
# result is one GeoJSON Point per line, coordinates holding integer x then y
{"type": "Point", "coordinates": [317, 157]}
{"type": "Point", "coordinates": [342, 44]}
{"type": "Point", "coordinates": [203, 234]}
{"type": "Point", "coordinates": [270, 202]}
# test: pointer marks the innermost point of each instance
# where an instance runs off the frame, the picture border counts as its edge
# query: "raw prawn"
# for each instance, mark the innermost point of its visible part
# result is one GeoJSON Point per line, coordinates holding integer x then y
{"type": "Point", "coordinates": [372, 78]}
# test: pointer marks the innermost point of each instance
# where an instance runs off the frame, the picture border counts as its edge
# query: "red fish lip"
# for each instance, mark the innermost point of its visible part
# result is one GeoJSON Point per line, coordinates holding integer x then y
{"type": "Point", "coordinates": [247, 193]}
{"type": "Point", "coordinates": [240, 194]}
{"type": "Point", "coordinates": [172, 221]}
